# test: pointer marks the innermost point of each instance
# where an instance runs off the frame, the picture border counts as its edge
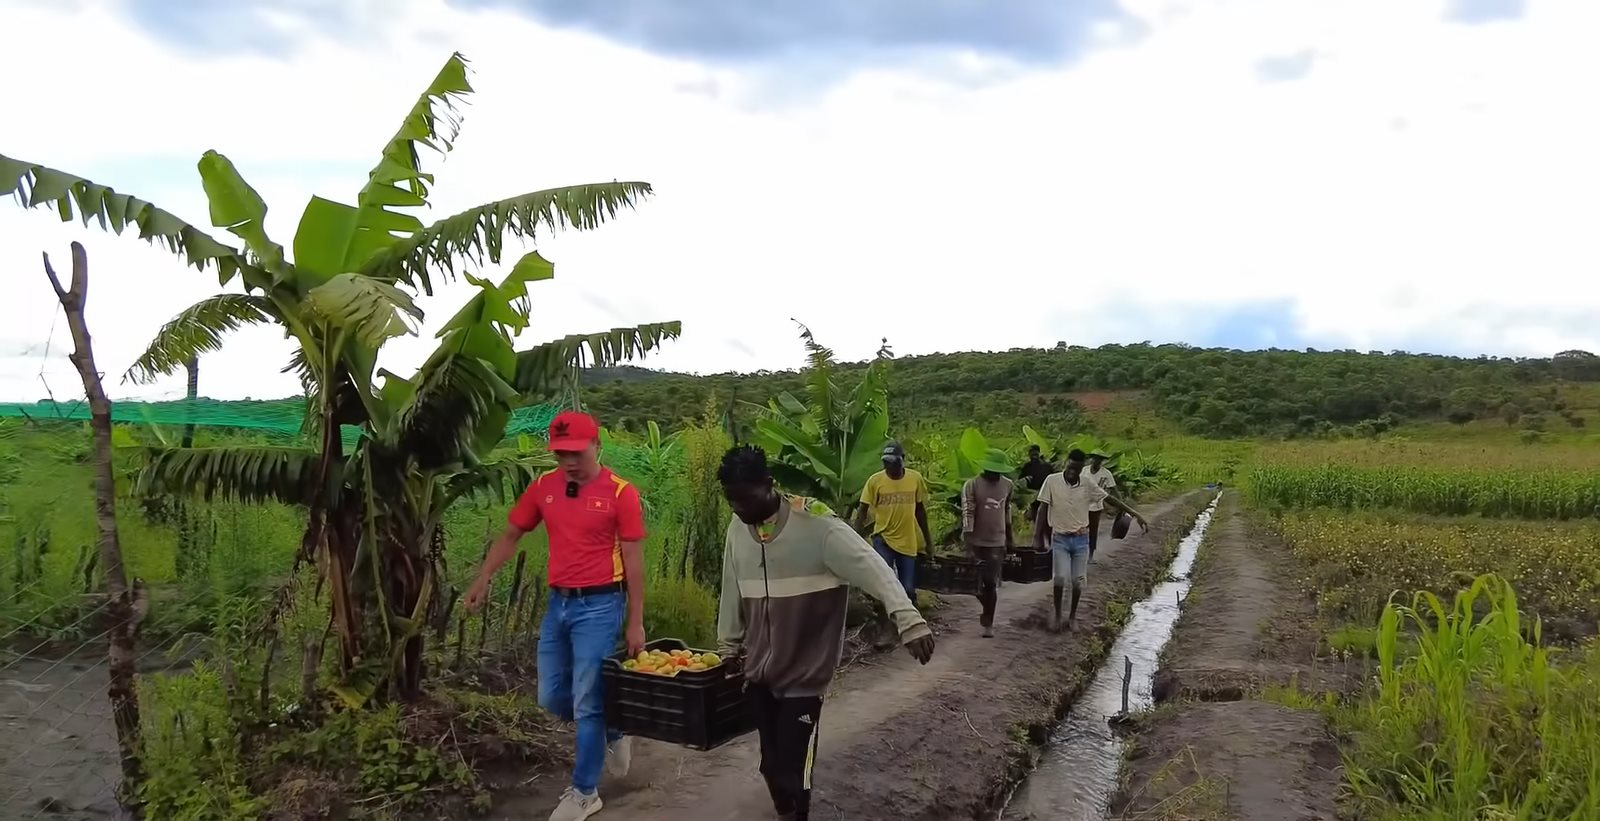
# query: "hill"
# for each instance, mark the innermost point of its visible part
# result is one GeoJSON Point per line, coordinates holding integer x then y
{"type": "Point", "coordinates": [1202, 391]}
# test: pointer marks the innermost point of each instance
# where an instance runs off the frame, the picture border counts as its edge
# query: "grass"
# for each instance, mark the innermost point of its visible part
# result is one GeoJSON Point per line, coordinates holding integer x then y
{"type": "Point", "coordinates": [212, 570]}
{"type": "Point", "coordinates": [1479, 721]}
{"type": "Point", "coordinates": [1473, 712]}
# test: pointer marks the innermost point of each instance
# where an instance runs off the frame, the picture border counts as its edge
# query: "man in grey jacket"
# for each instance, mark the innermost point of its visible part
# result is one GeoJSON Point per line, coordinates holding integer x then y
{"type": "Point", "coordinates": [787, 566]}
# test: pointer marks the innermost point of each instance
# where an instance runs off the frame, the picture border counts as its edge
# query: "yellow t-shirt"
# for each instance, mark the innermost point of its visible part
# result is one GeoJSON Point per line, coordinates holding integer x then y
{"type": "Point", "coordinates": [893, 503]}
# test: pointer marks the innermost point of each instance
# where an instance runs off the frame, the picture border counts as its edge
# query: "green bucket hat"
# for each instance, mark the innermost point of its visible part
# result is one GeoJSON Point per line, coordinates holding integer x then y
{"type": "Point", "coordinates": [995, 460]}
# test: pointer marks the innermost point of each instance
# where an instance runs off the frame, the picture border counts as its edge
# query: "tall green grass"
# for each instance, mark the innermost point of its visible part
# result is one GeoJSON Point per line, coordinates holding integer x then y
{"type": "Point", "coordinates": [196, 556]}
{"type": "Point", "coordinates": [1451, 491]}
{"type": "Point", "coordinates": [1472, 718]}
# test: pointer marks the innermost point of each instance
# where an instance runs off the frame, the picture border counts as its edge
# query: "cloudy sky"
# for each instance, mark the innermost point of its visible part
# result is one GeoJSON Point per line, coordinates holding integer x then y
{"type": "Point", "coordinates": [951, 174]}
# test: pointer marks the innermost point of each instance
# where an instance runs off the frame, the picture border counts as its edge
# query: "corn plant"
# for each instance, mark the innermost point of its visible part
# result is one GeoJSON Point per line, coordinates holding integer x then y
{"type": "Point", "coordinates": [1473, 718]}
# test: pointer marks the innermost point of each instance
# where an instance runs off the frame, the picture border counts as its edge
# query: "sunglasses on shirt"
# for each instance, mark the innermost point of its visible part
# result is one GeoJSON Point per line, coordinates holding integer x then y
{"type": "Point", "coordinates": [572, 490]}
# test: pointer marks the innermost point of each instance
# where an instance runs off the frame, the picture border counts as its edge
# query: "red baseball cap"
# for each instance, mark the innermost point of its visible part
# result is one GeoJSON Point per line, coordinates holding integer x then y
{"type": "Point", "coordinates": [571, 430]}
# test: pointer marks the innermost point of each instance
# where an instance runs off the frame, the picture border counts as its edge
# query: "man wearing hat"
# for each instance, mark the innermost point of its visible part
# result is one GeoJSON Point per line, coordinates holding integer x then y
{"type": "Point", "coordinates": [897, 498]}
{"type": "Point", "coordinates": [1101, 477]}
{"type": "Point", "coordinates": [595, 525]}
{"type": "Point", "coordinates": [986, 529]}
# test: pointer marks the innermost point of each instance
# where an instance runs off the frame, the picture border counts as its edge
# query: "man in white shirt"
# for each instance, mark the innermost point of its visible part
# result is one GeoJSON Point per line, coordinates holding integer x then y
{"type": "Point", "coordinates": [1063, 524]}
{"type": "Point", "coordinates": [1099, 475]}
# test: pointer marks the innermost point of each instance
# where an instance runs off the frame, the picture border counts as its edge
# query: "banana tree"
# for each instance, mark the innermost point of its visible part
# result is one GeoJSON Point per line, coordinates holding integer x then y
{"type": "Point", "coordinates": [971, 456]}
{"type": "Point", "coordinates": [828, 446]}
{"type": "Point", "coordinates": [373, 509]}
{"type": "Point", "coordinates": [1136, 472]}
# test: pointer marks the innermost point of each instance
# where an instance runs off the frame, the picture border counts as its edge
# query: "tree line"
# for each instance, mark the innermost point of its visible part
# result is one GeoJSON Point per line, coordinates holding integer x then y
{"type": "Point", "coordinates": [1206, 391]}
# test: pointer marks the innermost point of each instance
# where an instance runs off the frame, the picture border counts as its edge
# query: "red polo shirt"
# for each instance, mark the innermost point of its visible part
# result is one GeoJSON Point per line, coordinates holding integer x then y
{"type": "Point", "coordinates": [586, 532]}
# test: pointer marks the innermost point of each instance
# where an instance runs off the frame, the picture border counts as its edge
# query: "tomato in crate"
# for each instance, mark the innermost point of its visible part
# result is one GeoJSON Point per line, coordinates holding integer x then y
{"type": "Point", "coordinates": [670, 694]}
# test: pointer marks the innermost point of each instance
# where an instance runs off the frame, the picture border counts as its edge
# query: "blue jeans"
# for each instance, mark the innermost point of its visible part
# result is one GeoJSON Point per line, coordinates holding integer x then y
{"type": "Point", "coordinates": [574, 640]}
{"type": "Point", "coordinates": [1069, 558]}
{"type": "Point", "coordinates": [904, 567]}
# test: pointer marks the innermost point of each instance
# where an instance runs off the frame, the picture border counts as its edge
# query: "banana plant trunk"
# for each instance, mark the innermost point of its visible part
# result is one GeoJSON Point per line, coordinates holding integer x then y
{"type": "Point", "coordinates": [120, 609]}
{"type": "Point", "coordinates": [406, 569]}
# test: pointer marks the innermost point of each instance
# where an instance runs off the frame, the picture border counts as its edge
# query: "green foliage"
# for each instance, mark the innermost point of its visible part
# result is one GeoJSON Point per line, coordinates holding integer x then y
{"type": "Point", "coordinates": [192, 754]}
{"type": "Point", "coordinates": [199, 329]}
{"type": "Point", "coordinates": [1352, 562]}
{"type": "Point", "coordinates": [704, 513]}
{"type": "Point", "coordinates": [380, 759]}
{"type": "Point", "coordinates": [949, 468]}
{"type": "Point", "coordinates": [682, 609]}
{"type": "Point", "coordinates": [1488, 491]}
{"type": "Point", "coordinates": [828, 446]}
{"type": "Point", "coordinates": [373, 508]}
{"type": "Point", "coordinates": [72, 196]}
{"type": "Point", "coordinates": [1208, 391]}
{"type": "Point", "coordinates": [1136, 472]}
{"type": "Point", "coordinates": [1477, 720]}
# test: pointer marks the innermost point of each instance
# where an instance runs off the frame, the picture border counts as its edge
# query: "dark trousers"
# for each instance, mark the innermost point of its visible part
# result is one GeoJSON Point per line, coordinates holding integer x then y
{"type": "Point", "coordinates": [991, 560]}
{"type": "Point", "coordinates": [1094, 530]}
{"type": "Point", "coordinates": [788, 728]}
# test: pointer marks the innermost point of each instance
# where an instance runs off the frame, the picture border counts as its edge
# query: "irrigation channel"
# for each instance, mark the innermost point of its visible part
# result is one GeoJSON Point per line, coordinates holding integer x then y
{"type": "Point", "coordinates": [1078, 773]}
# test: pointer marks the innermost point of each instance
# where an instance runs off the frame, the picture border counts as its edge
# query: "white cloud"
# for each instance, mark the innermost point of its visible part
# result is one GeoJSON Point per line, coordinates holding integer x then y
{"type": "Point", "coordinates": [1423, 180]}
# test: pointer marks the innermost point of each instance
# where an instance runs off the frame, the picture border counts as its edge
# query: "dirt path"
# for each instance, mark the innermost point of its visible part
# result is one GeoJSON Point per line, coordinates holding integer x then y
{"type": "Point", "coordinates": [931, 742]}
{"type": "Point", "coordinates": [1215, 750]}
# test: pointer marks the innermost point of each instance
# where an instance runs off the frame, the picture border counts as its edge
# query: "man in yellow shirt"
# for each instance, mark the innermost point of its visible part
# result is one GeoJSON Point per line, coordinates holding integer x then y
{"type": "Point", "coordinates": [897, 498]}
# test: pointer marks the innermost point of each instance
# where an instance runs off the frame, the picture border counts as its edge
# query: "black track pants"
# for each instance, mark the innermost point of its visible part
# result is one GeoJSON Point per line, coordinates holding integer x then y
{"type": "Point", "coordinates": [788, 730]}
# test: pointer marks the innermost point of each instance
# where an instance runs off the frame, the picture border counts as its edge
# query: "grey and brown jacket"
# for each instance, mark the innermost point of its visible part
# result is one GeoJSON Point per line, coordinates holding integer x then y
{"type": "Point", "coordinates": [784, 600]}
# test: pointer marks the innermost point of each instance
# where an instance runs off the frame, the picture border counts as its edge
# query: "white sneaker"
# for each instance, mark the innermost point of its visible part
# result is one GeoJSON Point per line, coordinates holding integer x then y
{"type": "Point", "coordinates": [576, 806]}
{"type": "Point", "coordinates": [619, 757]}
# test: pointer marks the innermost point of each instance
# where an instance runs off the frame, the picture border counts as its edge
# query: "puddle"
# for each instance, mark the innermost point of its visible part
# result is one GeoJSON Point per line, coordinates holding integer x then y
{"type": "Point", "coordinates": [1077, 774]}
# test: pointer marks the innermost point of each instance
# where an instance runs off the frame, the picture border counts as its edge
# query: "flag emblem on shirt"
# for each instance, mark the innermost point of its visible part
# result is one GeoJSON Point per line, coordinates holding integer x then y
{"type": "Point", "coordinates": [598, 504]}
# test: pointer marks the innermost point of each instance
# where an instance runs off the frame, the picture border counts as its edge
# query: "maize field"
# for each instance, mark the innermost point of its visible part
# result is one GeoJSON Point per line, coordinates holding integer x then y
{"type": "Point", "coordinates": [1501, 493]}
{"type": "Point", "coordinates": [1480, 568]}
{"type": "Point", "coordinates": [1353, 562]}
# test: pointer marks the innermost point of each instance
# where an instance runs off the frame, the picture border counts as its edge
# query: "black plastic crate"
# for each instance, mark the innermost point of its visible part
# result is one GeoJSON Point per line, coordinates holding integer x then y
{"type": "Point", "coordinates": [956, 575]}
{"type": "Point", "coordinates": [1027, 566]}
{"type": "Point", "coordinates": [701, 710]}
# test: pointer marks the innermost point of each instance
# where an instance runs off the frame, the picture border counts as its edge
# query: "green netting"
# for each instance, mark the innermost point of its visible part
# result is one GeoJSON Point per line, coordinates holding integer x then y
{"type": "Point", "coordinates": [281, 416]}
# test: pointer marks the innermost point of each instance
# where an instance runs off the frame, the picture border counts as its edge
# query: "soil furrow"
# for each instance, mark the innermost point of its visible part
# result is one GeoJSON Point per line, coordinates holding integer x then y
{"type": "Point", "coordinates": [1217, 748]}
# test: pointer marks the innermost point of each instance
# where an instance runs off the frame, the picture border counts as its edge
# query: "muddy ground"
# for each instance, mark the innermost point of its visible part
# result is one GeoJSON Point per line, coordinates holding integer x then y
{"type": "Point", "coordinates": [58, 746]}
{"type": "Point", "coordinates": [1222, 744]}
{"type": "Point", "coordinates": [904, 741]}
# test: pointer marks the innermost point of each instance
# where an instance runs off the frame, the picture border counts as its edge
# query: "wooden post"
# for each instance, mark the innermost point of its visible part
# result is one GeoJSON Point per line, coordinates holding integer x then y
{"type": "Point", "coordinates": [193, 393]}
{"type": "Point", "coordinates": [120, 609]}
{"type": "Point", "coordinates": [1127, 679]}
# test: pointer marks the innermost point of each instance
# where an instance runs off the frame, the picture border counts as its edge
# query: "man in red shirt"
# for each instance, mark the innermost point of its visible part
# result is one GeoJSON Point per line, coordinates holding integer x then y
{"type": "Point", "coordinates": [596, 574]}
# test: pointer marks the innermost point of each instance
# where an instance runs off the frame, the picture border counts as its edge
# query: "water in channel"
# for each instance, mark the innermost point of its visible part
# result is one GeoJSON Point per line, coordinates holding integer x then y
{"type": "Point", "coordinates": [1078, 773]}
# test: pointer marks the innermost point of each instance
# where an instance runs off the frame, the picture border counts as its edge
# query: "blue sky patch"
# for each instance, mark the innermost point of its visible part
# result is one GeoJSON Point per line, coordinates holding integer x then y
{"type": "Point", "coordinates": [733, 31]}
{"type": "Point", "coordinates": [1280, 68]}
{"type": "Point", "coordinates": [1485, 11]}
